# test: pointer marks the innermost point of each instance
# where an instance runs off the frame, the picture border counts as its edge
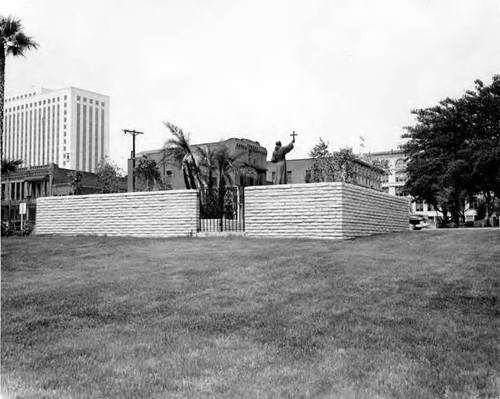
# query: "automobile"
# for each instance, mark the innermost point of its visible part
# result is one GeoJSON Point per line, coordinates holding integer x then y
{"type": "Point", "coordinates": [418, 222]}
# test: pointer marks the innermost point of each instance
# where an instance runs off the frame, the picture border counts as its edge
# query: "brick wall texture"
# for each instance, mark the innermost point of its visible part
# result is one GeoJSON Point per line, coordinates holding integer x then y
{"type": "Point", "coordinates": [322, 210]}
{"type": "Point", "coordinates": [141, 214]}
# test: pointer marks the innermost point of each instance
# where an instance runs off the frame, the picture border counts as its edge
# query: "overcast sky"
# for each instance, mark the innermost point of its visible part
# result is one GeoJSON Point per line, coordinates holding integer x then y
{"type": "Point", "coordinates": [260, 69]}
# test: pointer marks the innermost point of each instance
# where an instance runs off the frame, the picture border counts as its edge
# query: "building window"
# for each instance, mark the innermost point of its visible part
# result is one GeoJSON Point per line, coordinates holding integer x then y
{"type": "Point", "coordinates": [399, 192]}
{"type": "Point", "coordinates": [385, 178]}
{"type": "Point", "coordinates": [400, 164]}
{"type": "Point", "coordinates": [419, 206]}
{"type": "Point", "coordinates": [78, 98]}
{"type": "Point", "coordinates": [289, 179]}
{"type": "Point", "coordinates": [273, 176]}
{"type": "Point", "coordinates": [400, 176]}
{"type": "Point", "coordinates": [385, 190]}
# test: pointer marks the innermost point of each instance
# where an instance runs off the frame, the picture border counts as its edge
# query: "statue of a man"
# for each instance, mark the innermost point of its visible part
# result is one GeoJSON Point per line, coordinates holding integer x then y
{"type": "Point", "coordinates": [278, 158]}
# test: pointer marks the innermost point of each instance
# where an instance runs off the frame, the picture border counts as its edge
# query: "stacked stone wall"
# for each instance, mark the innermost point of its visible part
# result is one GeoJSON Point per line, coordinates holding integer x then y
{"type": "Point", "coordinates": [322, 210]}
{"type": "Point", "coordinates": [141, 214]}
{"type": "Point", "coordinates": [367, 212]}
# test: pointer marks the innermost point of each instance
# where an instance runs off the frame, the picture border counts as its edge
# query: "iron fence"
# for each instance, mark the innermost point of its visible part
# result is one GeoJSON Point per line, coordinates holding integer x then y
{"type": "Point", "coordinates": [222, 210]}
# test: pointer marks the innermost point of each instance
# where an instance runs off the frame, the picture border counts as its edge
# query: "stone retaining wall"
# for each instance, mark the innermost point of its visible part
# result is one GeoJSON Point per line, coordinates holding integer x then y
{"type": "Point", "coordinates": [322, 210]}
{"type": "Point", "coordinates": [141, 214]}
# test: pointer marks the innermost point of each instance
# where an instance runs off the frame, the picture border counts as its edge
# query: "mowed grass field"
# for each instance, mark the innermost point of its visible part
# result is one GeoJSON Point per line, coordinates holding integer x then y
{"type": "Point", "coordinates": [408, 315]}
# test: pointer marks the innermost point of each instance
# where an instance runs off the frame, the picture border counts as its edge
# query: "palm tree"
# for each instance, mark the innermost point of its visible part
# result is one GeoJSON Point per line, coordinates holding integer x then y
{"type": "Point", "coordinates": [13, 41]}
{"type": "Point", "coordinates": [207, 164]}
{"type": "Point", "coordinates": [179, 150]}
{"type": "Point", "coordinates": [10, 166]}
{"type": "Point", "coordinates": [229, 166]}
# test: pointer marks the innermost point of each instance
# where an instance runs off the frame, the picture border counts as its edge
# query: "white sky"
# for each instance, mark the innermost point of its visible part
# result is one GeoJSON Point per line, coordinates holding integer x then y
{"type": "Point", "coordinates": [259, 68]}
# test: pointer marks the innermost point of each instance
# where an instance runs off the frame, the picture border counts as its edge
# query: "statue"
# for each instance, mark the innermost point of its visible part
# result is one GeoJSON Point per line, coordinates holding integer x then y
{"type": "Point", "coordinates": [278, 158]}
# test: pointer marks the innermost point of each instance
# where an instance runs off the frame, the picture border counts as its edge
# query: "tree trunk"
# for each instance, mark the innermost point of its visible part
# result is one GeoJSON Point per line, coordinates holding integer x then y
{"type": "Point", "coordinates": [2, 93]}
{"type": "Point", "coordinates": [489, 208]}
{"type": "Point", "coordinates": [222, 189]}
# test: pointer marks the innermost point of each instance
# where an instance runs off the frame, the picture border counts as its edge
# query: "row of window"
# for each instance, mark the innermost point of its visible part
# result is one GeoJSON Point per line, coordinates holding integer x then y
{"type": "Point", "coordinates": [20, 97]}
{"type": "Point", "coordinates": [49, 101]}
{"type": "Point", "coordinates": [91, 101]}
{"type": "Point", "coordinates": [36, 103]}
{"type": "Point", "coordinates": [21, 190]}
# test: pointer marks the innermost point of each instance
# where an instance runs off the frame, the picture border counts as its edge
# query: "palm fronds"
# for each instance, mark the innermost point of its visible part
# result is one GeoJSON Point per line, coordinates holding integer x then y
{"type": "Point", "coordinates": [15, 41]}
{"type": "Point", "coordinates": [9, 166]}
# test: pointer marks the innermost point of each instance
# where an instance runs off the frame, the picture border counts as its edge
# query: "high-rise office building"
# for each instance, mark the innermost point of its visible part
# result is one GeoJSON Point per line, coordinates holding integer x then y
{"type": "Point", "coordinates": [69, 127]}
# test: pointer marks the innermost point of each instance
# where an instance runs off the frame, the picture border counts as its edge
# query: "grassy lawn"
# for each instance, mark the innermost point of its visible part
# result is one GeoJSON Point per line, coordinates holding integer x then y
{"type": "Point", "coordinates": [409, 315]}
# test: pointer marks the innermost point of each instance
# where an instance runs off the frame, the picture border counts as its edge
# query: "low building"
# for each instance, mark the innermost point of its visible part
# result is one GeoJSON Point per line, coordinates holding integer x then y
{"type": "Point", "coordinates": [25, 185]}
{"type": "Point", "coordinates": [252, 155]}
{"type": "Point", "coordinates": [299, 171]}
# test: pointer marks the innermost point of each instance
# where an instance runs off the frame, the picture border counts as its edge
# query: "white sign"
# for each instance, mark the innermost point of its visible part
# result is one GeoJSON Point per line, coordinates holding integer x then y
{"type": "Point", "coordinates": [22, 208]}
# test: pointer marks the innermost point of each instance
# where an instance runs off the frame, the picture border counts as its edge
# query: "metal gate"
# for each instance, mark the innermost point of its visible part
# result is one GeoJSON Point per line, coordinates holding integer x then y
{"type": "Point", "coordinates": [222, 211]}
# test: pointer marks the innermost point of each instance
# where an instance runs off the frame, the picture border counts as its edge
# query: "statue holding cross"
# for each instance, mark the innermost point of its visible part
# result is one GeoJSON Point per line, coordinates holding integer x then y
{"type": "Point", "coordinates": [279, 159]}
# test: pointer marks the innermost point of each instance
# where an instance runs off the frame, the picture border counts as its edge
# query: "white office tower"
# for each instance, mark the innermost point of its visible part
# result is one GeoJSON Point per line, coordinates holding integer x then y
{"type": "Point", "coordinates": [69, 127]}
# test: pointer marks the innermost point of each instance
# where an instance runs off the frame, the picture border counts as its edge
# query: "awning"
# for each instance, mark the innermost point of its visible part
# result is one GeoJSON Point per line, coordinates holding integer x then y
{"type": "Point", "coordinates": [30, 179]}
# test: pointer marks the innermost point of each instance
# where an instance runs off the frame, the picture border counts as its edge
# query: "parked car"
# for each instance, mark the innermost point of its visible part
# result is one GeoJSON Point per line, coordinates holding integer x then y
{"type": "Point", "coordinates": [418, 222]}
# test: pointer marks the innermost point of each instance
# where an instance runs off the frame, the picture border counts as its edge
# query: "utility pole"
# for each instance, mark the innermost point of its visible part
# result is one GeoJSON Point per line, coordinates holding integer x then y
{"type": "Point", "coordinates": [132, 154]}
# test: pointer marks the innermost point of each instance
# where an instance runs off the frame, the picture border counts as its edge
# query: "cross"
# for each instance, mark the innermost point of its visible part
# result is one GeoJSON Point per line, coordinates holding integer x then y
{"type": "Point", "coordinates": [294, 134]}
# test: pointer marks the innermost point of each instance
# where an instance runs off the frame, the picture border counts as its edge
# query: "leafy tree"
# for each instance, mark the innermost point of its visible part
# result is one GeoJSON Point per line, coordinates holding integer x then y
{"type": "Point", "coordinates": [484, 155]}
{"type": "Point", "coordinates": [454, 151]}
{"type": "Point", "coordinates": [75, 182]}
{"type": "Point", "coordinates": [343, 161]}
{"type": "Point", "coordinates": [109, 176]}
{"type": "Point", "coordinates": [13, 41]}
{"type": "Point", "coordinates": [332, 166]}
{"type": "Point", "coordinates": [323, 168]}
{"type": "Point", "coordinates": [148, 171]}
{"type": "Point", "coordinates": [178, 149]}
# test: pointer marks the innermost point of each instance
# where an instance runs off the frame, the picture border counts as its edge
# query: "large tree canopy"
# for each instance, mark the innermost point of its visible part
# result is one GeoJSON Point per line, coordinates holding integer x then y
{"type": "Point", "coordinates": [454, 150]}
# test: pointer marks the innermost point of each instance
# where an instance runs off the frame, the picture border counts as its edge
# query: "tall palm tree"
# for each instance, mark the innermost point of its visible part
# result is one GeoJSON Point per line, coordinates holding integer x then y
{"type": "Point", "coordinates": [230, 165]}
{"type": "Point", "coordinates": [10, 166]}
{"type": "Point", "coordinates": [207, 164]}
{"type": "Point", "coordinates": [13, 41]}
{"type": "Point", "coordinates": [179, 150]}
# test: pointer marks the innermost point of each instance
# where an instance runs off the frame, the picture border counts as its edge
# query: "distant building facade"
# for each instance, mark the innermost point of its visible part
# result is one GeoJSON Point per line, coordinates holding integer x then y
{"type": "Point", "coordinates": [68, 127]}
{"type": "Point", "coordinates": [300, 171]}
{"type": "Point", "coordinates": [251, 153]}
{"type": "Point", "coordinates": [25, 185]}
{"type": "Point", "coordinates": [395, 179]}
